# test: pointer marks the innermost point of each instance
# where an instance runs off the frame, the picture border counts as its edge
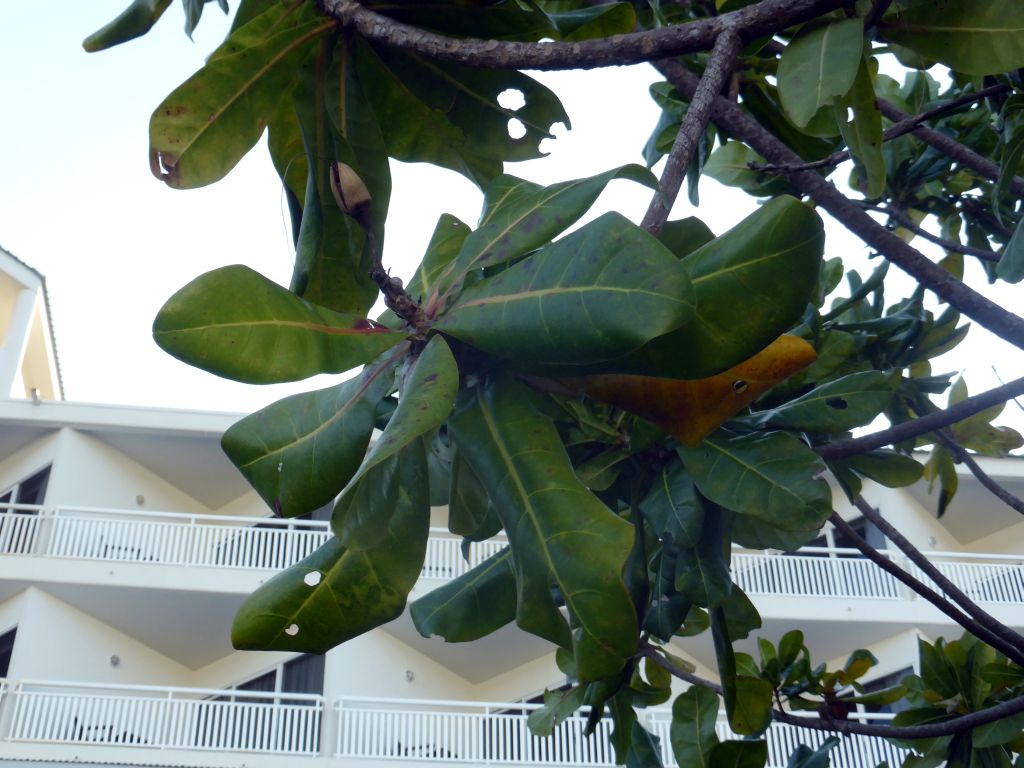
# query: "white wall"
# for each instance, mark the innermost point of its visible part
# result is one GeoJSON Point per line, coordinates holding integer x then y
{"type": "Point", "coordinates": [27, 461]}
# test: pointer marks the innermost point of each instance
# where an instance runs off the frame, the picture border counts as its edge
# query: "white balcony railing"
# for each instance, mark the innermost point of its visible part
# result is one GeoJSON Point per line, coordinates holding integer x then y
{"type": "Point", "coordinates": [165, 718]}
{"type": "Point", "coordinates": [221, 541]}
{"type": "Point", "coordinates": [489, 732]}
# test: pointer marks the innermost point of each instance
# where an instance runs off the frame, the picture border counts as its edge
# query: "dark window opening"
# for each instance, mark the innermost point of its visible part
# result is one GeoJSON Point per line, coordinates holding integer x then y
{"type": "Point", "coordinates": [6, 651]}
{"type": "Point", "coordinates": [17, 530]}
{"type": "Point", "coordinates": [880, 684]}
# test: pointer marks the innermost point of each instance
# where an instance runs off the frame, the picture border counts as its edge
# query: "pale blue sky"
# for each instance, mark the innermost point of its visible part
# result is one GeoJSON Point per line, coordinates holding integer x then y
{"type": "Point", "coordinates": [78, 202]}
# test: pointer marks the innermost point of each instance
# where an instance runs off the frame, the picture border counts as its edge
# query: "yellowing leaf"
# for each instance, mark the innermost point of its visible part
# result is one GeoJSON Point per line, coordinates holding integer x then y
{"type": "Point", "coordinates": [692, 410]}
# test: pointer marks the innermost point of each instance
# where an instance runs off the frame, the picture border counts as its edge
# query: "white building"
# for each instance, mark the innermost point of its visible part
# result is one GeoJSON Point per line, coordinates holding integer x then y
{"type": "Point", "coordinates": [127, 541]}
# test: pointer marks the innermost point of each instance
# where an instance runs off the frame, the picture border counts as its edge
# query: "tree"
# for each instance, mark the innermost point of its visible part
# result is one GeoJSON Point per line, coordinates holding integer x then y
{"type": "Point", "coordinates": [598, 395]}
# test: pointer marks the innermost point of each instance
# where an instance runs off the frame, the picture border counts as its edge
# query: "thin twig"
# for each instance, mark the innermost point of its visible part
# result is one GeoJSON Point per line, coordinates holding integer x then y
{"type": "Point", "coordinates": [695, 122]}
{"type": "Point", "coordinates": [907, 223]}
{"type": "Point", "coordinates": [1000, 380]}
{"type": "Point", "coordinates": [732, 119]}
{"type": "Point", "coordinates": [653, 653]}
{"type": "Point", "coordinates": [1009, 641]}
{"type": "Point", "coordinates": [760, 19]}
{"type": "Point", "coordinates": [901, 128]}
{"type": "Point", "coordinates": [922, 425]}
{"type": "Point", "coordinates": [953, 611]}
{"type": "Point", "coordinates": [961, 456]}
{"type": "Point", "coordinates": [952, 148]}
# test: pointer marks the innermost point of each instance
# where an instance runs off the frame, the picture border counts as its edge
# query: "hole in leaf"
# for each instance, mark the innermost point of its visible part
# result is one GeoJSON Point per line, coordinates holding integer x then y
{"type": "Point", "coordinates": [739, 386]}
{"type": "Point", "coordinates": [292, 629]}
{"type": "Point", "coordinates": [516, 129]}
{"type": "Point", "coordinates": [312, 578]}
{"type": "Point", "coordinates": [512, 98]}
{"type": "Point", "coordinates": [838, 403]}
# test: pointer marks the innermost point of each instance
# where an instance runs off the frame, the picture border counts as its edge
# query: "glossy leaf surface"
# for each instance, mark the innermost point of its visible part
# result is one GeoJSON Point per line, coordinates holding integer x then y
{"type": "Point", "coordinates": [836, 406]}
{"type": "Point", "coordinates": [558, 531]}
{"type": "Point", "coordinates": [238, 324]}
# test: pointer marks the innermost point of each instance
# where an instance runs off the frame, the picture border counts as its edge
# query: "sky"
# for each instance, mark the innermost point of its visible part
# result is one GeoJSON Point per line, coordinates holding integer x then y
{"type": "Point", "coordinates": [79, 204]}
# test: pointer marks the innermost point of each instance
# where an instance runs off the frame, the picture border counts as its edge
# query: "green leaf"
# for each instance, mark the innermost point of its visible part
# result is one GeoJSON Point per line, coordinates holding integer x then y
{"type": "Point", "coordinates": [864, 135]}
{"type": "Point", "coordinates": [974, 37]}
{"type": "Point", "coordinates": [471, 606]}
{"type": "Point", "coordinates": [194, 11]}
{"type": "Point", "coordinates": [741, 615]}
{"type": "Point", "coordinates": [205, 126]}
{"type": "Point", "coordinates": [336, 594]}
{"type": "Point", "coordinates": [427, 396]}
{"type": "Point", "coordinates": [740, 754]}
{"type": "Point", "coordinates": [560, 534]}
{"type": "Point", "coordinates": [449, 115]}
{"type": "Point", "coordinates": [998, 732]}
{"type": "Point", "coordinates": [752, 533]}
{"type": "Point", "coordinates": [768, 265]}
{"type": "Point", "coordinates": [789, 647]}
{"type": "Point", "coordinates": [891, 469]}
{"type": "Point", "coordinates": [644, 749]}
{"type": "Point", "coordinates": [589, 22]}
{"type": "Point", "coordinates": [470, 511]}
{"type": "Point", "coordinates": [1011, 260]}
{"type": "Point", "coordinates": [804, 757]}
{"type": "Point", "coordinates": [520, 217]}
{"type": "Point", "coordinates": [134, 21]}
{"type": "Point", "coordinates": [558, 705]}
{"type": "Point", "coordinates": [684, 236]}
{"type": "Point", "coordinates": [819, 66]}
{"type": "Point", "coordinates": [836, 406]}
{"type": "Point", "coordinates": [692, 733]}
{"type": "Point", "coordinates": [445, 244]}
{"type": "Point", "coordinates": [284, 449]}
{"type": "Point", "coordinates": [673, 508]}
{"type": "Point", "coordinates": [702, 573]}
{"type": "Point", "coordinates": [769, 476]}
{"type": "Point", "coordinates": [576, 302]}
{"type": "Point", "coordinates": [238, 324]}
{"type": "Point", "coordinates": [730, 163]}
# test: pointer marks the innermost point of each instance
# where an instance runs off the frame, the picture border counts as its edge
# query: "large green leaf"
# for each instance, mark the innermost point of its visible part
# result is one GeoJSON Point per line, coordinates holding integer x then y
{"type": "Point", "coordinates": [976, 37]}
{"type": "Point", "coordinates": [864, 135]}
{"type": "Point", "coordinates": [702, 573]}
{"type": "Point", "coordinates": [449, 115]}
{"type": "Point", "coordinates": [593, 21]}
{"type": "Point", "coordinates": [336, 593]}
{"type": "Point", "coordinates": [299, 452]}
{"type": "Point", "coordinates": [470, 511]}
{"type": "Point", "coordinates": [751, 284]}
{"type": "Point", "coordinates": [333, 255]}
{"type": "Point", "coordinates": [692, 733]}
{"type": "Point", "coordinates": [205, 126]}
{"type": "Point", "coordinates": [576, 302]}
{"type": "Point", "coordinates": [238, 324]}
{"type": "Point", "coordinates": [520, 217]}
{"type": "Point", "coordinates": [673, 508]}
{"type": "Point", "coordinates": [836, 406]}
{"type": "Point", "coordinates": [819, 66]}
{"type": "Point", "coordinates": [427, 396]}
{"type": "Point", "coordinates": [748, 700]}
{"type": "Point", "coordinates": [773, 477]}
{"type": "Point", "coordinates": [475, 604]}
{"type": "Point", "coordinates": [560, 533]}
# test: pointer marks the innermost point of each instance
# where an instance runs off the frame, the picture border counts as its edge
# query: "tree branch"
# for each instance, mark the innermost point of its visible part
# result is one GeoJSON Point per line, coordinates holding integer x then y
{"type": "Point", "coordinates": [893, 132]}
{"type": "Point", "coordinates": [653, 653]}
{"type": "Point", "coordinates": [1006, 640]}
{"type": "Point", "coordinates": [736, 122]}
{"type": "Point", "coordinates": [927, 423]}
{"type": "Point", "coordinates": [695, 121]}
{"type": "Point", "coordinates": [952, 148]}
{"type": "Point", "coordinates": [758, 20]}
{"type": "Point", "coordinates": [907, 223]}
{"type": "Point", "coordinates": [961, 456]}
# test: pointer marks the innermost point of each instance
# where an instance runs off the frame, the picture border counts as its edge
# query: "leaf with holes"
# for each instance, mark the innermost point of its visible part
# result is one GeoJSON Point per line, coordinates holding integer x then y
{"type": "Point", "coordinates": [836, 406]}
{"type": "Point", "coordinates": [692, 410]}
{"type": "Point", "coordinates": [772, 476]}
{"type": "Point", "coordinates": [819, 66]}
{"type": "Point", "coordinates": [576, 302]}
{"type": "Point", "coordinates": [692, 733]}
{"type": "Point", "coordinates": [520, 217]}
{"type": "Point", "coordinates": [206, 125]}
{"type": "Point", "coordinates": [427, 395]}
{"type": "Point", "coordinates": [751, 284]}
{"type": "Point", "coordinates": [470, 606]}
{"type": "Point", "coordinates": [299, 452]}
{"type": "Point", "coordinates": [336, 594]}
{"type": "Point", "coordinates": [559, 532]}
{"type": "Point", "coordinates": [973, 37]}
{"type": "Point", "coordinates": [238, 324]}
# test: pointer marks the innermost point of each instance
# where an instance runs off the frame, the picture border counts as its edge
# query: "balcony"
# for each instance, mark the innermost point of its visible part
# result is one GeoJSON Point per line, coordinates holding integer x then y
{"type": "Point", "coordinates": [148, 725]}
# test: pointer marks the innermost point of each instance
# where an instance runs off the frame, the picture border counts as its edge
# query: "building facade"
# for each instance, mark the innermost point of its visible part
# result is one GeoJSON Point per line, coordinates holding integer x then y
{"type": "Point", "coordinates": [127, 542]}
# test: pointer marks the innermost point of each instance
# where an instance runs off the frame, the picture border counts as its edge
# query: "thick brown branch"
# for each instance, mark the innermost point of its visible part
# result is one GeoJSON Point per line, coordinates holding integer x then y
{"type": "Point", "coordinates": [736, 122]}
{"type": "Point", "coordinates": [951, 148]}
{"type": "Point", "coordinates": [1007, 640]}
{"type": "Point", "coordinates": [958, 615]}
{"type": "Point", "coordinates": [961, 456]}
{"type": "Point", "coordinates": [754, 21]}
{"type": "Point", "coordinates": [920, 426]}
{"type": "Point", "coordinates": [695, 121]}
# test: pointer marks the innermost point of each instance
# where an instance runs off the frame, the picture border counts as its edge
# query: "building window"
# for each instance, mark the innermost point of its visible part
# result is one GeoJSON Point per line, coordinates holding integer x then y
{"type": "Point", "coordinates": [18, 526]}
{"type": "Point", "coordinates": [880, 684]}
{"type": "Point", "coordinates": [830, 538]}
{"type": "Point", "coordinates": [303, 674]}
{"type": "Point", "coordinates": [6, 650]}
